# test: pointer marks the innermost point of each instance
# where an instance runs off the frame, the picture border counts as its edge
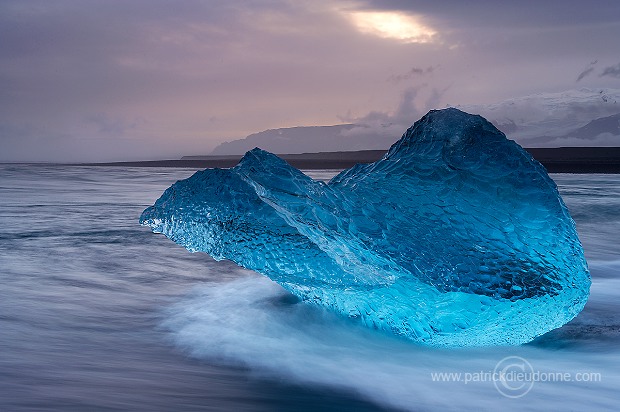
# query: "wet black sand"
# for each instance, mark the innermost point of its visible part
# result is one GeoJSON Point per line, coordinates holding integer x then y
{"type": "Point", "coordinates": [556, 160]}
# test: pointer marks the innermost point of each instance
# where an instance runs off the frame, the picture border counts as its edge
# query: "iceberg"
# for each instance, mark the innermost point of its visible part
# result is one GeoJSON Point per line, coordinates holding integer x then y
{"type": "Point", "coordinates": [456, 237]}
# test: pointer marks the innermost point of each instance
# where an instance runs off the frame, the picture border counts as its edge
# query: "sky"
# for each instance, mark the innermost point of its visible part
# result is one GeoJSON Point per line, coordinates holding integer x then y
{"type": "Point", "coordinates": [88, 80]}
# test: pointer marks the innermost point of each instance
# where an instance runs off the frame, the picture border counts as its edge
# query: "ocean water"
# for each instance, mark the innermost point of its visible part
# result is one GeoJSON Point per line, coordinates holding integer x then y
{"type": "Point", "coordinates": [99, 314]}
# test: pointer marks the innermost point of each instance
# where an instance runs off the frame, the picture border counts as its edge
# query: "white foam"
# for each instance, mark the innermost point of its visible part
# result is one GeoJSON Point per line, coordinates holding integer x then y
{"type": "Point", "coordinates": [254, 322]}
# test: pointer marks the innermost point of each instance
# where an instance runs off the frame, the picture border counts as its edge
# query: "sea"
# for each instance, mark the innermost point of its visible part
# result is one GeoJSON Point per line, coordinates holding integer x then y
{"type": "Point", "coordinates": [97, 313]}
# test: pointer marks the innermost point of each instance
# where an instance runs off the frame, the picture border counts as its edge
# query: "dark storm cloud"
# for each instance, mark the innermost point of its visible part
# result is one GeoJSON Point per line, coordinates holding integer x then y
{"type": "Point", "coordinates": [585, 73]}
{"type": "Point", "coordinates": [612, 71]}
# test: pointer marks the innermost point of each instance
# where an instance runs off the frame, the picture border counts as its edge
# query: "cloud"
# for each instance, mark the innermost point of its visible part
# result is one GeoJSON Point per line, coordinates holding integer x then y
{"type": "Point", "coordinates": [552, 119]}
{"type": "Point", "coordinates": [404, 27]}
{"type": "Point", "coordinates": [414, 103]}
{"type": "Point", "coordinates": [587, 71]}
{"type": "Point", "coordinates": [584, 73]}
{"type": "Point", "coordinates": [612, 71]}
{"type": "Point", "coordinates": [406, 111]}
{"type": "Point", "coordinates": [110, 125]}
{"type": "Point", "coordinates": [414, 72]}
{"type": "Point", "coordinates": [488, 13]}
{"type": "Point", "coordinates": [90, 70]}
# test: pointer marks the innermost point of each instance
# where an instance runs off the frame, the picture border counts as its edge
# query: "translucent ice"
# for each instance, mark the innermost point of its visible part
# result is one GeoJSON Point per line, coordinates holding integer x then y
{"type": "Point", "coordinates": [456, 237]}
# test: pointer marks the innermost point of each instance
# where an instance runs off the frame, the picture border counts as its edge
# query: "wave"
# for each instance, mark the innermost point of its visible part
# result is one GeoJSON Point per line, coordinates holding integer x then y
{"type": "Point", "coordinates": [255, 323]}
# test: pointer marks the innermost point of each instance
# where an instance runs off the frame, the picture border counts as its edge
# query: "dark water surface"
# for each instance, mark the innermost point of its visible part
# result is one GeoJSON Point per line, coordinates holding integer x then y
{"type": "Point", "coordinates": [97, 313]}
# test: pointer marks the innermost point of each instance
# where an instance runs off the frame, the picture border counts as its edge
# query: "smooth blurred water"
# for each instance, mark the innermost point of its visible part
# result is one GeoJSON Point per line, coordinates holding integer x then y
{"type": "Point", "coordinates": [98, 313]}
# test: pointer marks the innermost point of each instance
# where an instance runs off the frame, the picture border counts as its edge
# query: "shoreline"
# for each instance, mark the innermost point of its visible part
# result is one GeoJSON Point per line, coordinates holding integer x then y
{"type": "Point", "coordinates": [555, 160]}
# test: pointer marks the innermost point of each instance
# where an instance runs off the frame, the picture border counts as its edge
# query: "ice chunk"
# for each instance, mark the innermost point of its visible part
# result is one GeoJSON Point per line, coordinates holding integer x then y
{"type": "Point", "coordinates": [456, 237]}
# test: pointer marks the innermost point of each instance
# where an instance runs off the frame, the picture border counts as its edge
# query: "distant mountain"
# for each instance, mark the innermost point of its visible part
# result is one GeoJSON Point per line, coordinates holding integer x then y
{"type": "Point", "coordinates": [584, 117]}
{"type": "Point", "coordinates": [605, 131]}
{"type": "Point", "coordinates": [551, 116]}
{"type": "Point", "coordinates": [312, 139]}
{"type": "Point", "coordinates": [289, 140]}
{"type": "Point", "coordinates": [609, 124]}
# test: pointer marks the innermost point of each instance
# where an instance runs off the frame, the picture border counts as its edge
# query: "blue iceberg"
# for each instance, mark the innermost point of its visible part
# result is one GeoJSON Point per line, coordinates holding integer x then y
{"type": "Point", "coordinates": [456, 237]}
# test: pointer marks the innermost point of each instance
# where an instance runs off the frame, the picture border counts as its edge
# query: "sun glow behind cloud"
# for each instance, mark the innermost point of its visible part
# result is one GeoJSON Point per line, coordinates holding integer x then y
{"type": "Point", "coordinates": [393, 25]}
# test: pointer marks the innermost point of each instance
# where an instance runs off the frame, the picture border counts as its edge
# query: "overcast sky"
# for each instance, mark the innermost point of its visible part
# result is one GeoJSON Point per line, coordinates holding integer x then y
{"type": "Point", "coordinates": [138, 79]}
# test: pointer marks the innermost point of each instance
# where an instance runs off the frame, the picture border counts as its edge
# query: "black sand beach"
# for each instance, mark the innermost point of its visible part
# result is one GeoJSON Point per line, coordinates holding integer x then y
{"type": "Point", "coordinates": [556, 160]}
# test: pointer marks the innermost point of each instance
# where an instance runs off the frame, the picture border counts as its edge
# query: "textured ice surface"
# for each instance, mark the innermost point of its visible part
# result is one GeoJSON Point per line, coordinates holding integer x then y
{"type": "Point", "coordinates": [457, 237]}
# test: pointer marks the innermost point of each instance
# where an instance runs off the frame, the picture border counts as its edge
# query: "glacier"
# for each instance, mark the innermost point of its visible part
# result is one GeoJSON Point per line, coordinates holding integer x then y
{"type": "Point", "coordinates": [456, 237]}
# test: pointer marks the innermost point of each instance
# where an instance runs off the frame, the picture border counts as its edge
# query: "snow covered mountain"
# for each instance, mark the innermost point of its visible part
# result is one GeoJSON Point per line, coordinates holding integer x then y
{"type": "Point", "coordinates": [312, 139]}
{"type": "Point", "coordinates": [557, 119]}
{"type": "Point", "coordinates": [604, 131]}
{"type": "Point", "coordinates": [584, 117]}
